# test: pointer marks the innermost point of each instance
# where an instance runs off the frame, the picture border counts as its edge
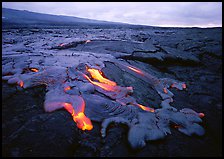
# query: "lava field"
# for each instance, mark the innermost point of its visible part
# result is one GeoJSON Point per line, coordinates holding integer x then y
{"type": "Point", "coordinates": [111, 92]}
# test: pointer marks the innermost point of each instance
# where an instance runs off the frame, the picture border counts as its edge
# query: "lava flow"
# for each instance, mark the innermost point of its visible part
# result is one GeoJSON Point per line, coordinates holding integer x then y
{"type": "Point", "coordinates": [101, 85]}
{"type": "Point", "coordinates": [201, 115]}
{"type": "Point", "coordinates": [21, 84]}
{"type": "Point", "coordinates": [136, 70]}
{"type": "Point", "coordinates": [184, 85]}
{"type": "Point", "coordinates": [96, 74]}
{"type": "Point", "coordinates": [165, 90]}
{"type": "Point", "coordinates": [81, 120]}
{"type": "Point", "coordinates": [110, 85]}
{"type": "Point", "coordinates": [34, 70]}
{"type": "Point", "coordinates": [67, 88]}
{"type": "Point", "coordinates": [145, 108]}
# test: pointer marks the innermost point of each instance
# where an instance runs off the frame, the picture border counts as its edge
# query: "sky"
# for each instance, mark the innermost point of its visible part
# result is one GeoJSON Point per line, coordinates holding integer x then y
{"type": "Point", "coordinates": [165, 14]}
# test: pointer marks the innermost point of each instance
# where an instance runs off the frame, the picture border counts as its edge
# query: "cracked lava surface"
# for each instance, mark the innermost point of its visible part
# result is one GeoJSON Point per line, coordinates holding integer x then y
{"type": "Point", "coordinates": [95, 78]}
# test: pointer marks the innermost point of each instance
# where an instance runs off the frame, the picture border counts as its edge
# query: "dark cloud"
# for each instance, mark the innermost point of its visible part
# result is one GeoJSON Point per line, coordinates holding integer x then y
{"type": "Point", "coordinates": [202, 14]}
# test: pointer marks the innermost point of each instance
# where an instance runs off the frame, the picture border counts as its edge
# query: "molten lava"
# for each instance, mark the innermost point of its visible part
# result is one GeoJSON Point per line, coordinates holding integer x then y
{"type": "Point", "coordinates": [101, 85]}
{"type": "Point", "coordinates": [67, 88]}
{"type": "Point", "coordinates": [81, 120]}
{"type": "Point", "coordinates": [110, 85]}
{"type": "Point", "coordinates": [96, 74]}
{"type": "Point", "coordinates": [146, 108]}
{"type": "Point", "coordinates": [201, 115]}
{"type": "Point", "coordinates": [136, 70]}
{"type": "Point", "coordinates": [21, 84]}
{"type": "Point", "coordinates": [165, 90]}
{"type": "Point", "coordinates": [184, 85]}
{"type": "Point", "coordinates": [34, 70]}
{"type": "Point", "coordinates": [69, 108]}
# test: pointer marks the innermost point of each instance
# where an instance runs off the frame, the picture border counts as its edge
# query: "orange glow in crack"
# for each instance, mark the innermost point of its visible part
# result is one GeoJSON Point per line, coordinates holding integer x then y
{"type": "Point", "coordinates": [146, 108]}
{"type": "Point", "coordinates": [96, 74]}
{"type": "Point", "coordinates": [165, 90]}
{"type": "Point", "coordinates": [34, 70]}
{"type": "Point", "coordinates": [69, 108]}
{"type": "Point", "coordinates": [67, 88]}
{"type": "Point", "coordinates": [201, 115]}
{"type": "Point", "coordinates": [110, 85]}
{"type": "Point", "coordinates": [81, 120]}
{"type": "Point", "coordinates": [101, 85]}
{"type": "Point", "coordinates": [21, 84]}
{"type": "Point", "coordinates": [184, 85]}
{"type": "Point", "coordinates": [136, 70]}
{"type": "Point", "coordinates": [172, 85]}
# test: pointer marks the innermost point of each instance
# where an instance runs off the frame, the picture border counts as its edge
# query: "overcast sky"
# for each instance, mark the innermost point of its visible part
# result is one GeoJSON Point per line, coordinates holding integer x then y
{"type": "Point", "coordinates": [174, 14]}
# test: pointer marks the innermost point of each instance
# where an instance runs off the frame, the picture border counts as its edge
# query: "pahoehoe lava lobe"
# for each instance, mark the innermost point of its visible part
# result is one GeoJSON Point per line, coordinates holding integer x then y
{"type": "Point", "coordinates": [107, 89]}
{"type": "Point", "coordinates": [67, 87]}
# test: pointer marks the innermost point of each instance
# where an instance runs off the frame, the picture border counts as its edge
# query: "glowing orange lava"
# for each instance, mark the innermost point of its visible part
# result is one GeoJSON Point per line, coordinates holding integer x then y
{"type": "Point", "coordinates": [184, 85]}
{"type": "Point", "coordinates": [81, 120]}
{"type": "Point", "coordinates": [136, 70]}
{"type": "Point", "coordinates": [110, 85]}
{"type": "Point", "coordinates": [96, 74]}
{"type": "Point", "coordinates": [69, 108]}
{"type": "Point", "coordinates": [165, 90]}
{"type": "Point", "coordinates": [146, 108]}
{"type": "Point", "coordinates": [34, 69]}
{"type": "Point", "coordinates": [201, 115]}
{"type": "Point", "coordinates": [21, 84]}
{"type": "Point", "coordinates": [67, 88]}
{"type": "Point", "coordinates": [101, 85]}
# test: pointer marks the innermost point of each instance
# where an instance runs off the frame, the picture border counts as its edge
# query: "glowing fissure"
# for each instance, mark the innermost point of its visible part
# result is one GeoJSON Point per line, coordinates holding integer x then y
{"type": "Point", "coordinates": [165, 90]}
{"type": "Point", "coordinates": [201, 115]}
{"type": "Point", "coordinates": [34, 70]}
{"type": "Point", "coordinates": [145, 108]}
{"type": "Point", "coordinates": [101, 85]}
{"type": "Point", "coordinates": [104, 86]}
{"type": "Point", "coordinates": [97, 75]}
{"type": "Point", "coordinates": [81, 120]}
{"type": "Point", "coordinates": [184, 85]}
{"type": "Point", "coordinates": [21, 84]}
{"type": "Point", "coordinates": [136, 70]}
{"type": "Point", "coordinates": [110, 85]}
{"type": "Point", "coordinates": [67, 88]}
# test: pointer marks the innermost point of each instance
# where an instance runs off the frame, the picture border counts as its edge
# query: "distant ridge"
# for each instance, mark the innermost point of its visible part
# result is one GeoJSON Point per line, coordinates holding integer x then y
{"type": "Point", "coordinates": [27, 18]}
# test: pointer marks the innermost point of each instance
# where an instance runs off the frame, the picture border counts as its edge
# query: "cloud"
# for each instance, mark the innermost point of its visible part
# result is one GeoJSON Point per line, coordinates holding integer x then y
{"type": "Point", "coordinates": [146, 13]}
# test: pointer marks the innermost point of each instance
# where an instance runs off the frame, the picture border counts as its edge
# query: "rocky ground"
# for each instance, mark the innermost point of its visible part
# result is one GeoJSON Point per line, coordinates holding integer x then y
{"type": "Point", "coordinates": [190, 55]}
